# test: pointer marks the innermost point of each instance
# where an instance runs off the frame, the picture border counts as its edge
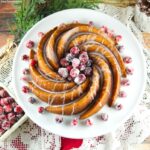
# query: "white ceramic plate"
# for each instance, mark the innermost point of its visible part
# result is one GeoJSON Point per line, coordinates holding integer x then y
{"type": "Point", "coordinates": [134, 92]}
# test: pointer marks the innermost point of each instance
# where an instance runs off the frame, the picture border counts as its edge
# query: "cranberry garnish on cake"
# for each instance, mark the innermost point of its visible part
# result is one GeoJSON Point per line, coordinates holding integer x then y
{"type": "Point", "coordinates": [77, 69]}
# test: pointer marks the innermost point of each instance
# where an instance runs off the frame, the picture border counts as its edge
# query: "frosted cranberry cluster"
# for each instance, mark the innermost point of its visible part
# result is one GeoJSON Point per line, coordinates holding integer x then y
{"type": "Point", "coordinates": [10, 111]}
{"type": "Point", "coordinates": [76, 66]}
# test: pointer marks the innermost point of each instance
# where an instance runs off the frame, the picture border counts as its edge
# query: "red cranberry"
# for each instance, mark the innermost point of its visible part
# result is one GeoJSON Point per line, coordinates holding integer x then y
{"type": "Point", "coordinates": [19, 116]}
{"type": "Point", "coordinates": [25, 57]}
{"type": "Point", "coordinates": [69, 57]}
{"type": "Point", "coordinates": [30, 44]}
{"type": "Point", "coordinates": [125, 82]}
{"type": "Point", "coordinates": [74, 122]}
{"type": "Point", "coordinates": [129, 70]}
{"type": "Point", "coordinates": [75, 62]}
{"type": "Point", "coordinates": [88, 71]}
{"type": "Point", "coordinates": [25, 71]}
{"type": "Point", "coordinates": [1, 131]}
{"type": "Point", "coordinates": [63, 72]}
{"type": "Point", "coordinates": [69, 68]}
{"type": "Point", "coordinates": [40, 34]}
{"type": "Point", "coordinates": [40, 109]}
{"type": "Point", "coordinates": [118, 106]}
{"type": "Point", "coordinates": [3, 93]}
{"type": "Point", "coordinates": [89, 122]}
{"type": "Point", "coordinates": [59, 119]}
{"type": "Point", "coordinates": [11, 116]}
{"type": "Point", "coordinates": [1, 110]}
{"type": "Point", "coordinates": [104, 116]}
{"type": "Point", "coordinates": [122, 94]}
{"type": "Point", "coordinates": [33, 62]}
{"type": "Point", "coordinates": [18, 109]}
{"type": "Point", "coordinates": [32, 100]}
{"type": "Point", "coordinates": [110, 33]}
{"type": "Point", "coordinates": [7, 108]}
{"type": "Point", "coordinates": [74, 50]}
{"type": "Point", "coordinates": [118, 38]}
{"type": "Point", "coordinates": [127, 59]}
{"type": "Point", "coordinates": [25, 89]}
{"type": "Point", "coordinates": [6, 125]}
{"type": "Point", "coordinates": [64, 62]}
{"type": "Point", "coordinates": [74, 72]}
{"type": "Point", "coordinates": [80, 79]}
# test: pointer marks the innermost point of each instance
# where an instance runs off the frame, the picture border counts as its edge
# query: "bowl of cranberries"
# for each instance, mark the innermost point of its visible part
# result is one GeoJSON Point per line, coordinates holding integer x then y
{"type": "Point", "coordinates": [11, 114]}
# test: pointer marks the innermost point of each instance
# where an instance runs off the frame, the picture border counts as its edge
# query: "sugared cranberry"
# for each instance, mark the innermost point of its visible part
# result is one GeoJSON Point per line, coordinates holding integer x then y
{"type": "Point", "coordinates": [82, 67]}
{"type": "Point", "coordinates": [118, 38]}
{"type": "Point", "coordinates": [104, 116]}
{"type": "Point", "coordinates": [6, 125]}
{"type": "Point", "coordinates": [25, 71]}
{"type": "Point", "coordinates": [127, 59]}
{"type": "Point", "coordinates": [69, 57]}
{"type": "Point", "coordinates": [19, 116]}
{"type": "Point", "coordinates": [110, 33]}
{"type": "Point", "coordinates": [7, 108]}
{"type": "Point", "coordinates": [40, 109]}
{"type": "Point", "coordinates": [122, 94]}
{"type": "Point", "coordinates": [74, 72]}
{"type": "Point", "coordinates": [25, 89]}
{"type": "Point", "coordinates": [40, 34]}
{"type": "Point", "coordinates": [64, 62]}
{"type": "Point", "coordinates": [88, 71]}
{"type": "Point", "coordinates": [80, 79]}
{"type": "Point", "coordinates": [14, 104]}
{"type": "Point", "coordinates": [6, 101]}
{"type": "Point", "coordinates": [91, 23]}
{"type": "Point", "coordinates": [75, 62]}
{"type": "Point", "coordinates": [32, 100]}
{"type": "Point", "coordinates": [59, 119]}
{"type": "Point", "coordinates": [104, 29]}
{"type": "Point", "coordinates": [25, 57]}
{"type": "Point", "coordinates": [74, 50]}
{"type": "Point", "coordinates": [11, 116]}
{"type": "Point", "coordinates": [69, 68]}
{"type": "Point", "coordinates": [1, 110]}
{"type": "Point", "coordinates": [26, 79]}
{"type": "Point", "coordinates": [118, 106]}
{"type": "Point", "coordinates": [33, 62]}
{"type": "Point", "coordinates": [84, 57]}
{"type": "Point", "coordinates": [1, 131]}
{"type": "Point", "coordinates": [89, 122]}
{"type": "Point", "coordinates": [3, 117]}
{"type": "Point", "coordinates": [63, 72]}
{"type": "Point", "coordinates": [18, 109]}
{"type": "Point", "coordinates": [30, 44]}
{"type": "Point", "coordinates": [125, 82]}
{"type": "Point", "coordinates": [129, 70]}
{"type": "Point", "coordinates": [74, 122]}
{"type": "Point", "coordinates": [3, 93]}
{"type": "Point", "coordinates": [89, 63]}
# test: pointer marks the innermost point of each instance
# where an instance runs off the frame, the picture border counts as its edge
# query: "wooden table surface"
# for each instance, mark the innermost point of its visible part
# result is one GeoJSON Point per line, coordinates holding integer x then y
{"type": "Point", "coordinates": [6, 16]}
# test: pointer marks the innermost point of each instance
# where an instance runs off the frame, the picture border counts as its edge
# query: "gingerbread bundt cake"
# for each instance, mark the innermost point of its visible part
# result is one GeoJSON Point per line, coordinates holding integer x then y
{"type": "Point", "coordinates": [77, 69]}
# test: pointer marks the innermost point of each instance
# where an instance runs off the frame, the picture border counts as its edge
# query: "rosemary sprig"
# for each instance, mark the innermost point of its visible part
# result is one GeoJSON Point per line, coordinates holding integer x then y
{"type": "Point", "coordinates": [31, 11]}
